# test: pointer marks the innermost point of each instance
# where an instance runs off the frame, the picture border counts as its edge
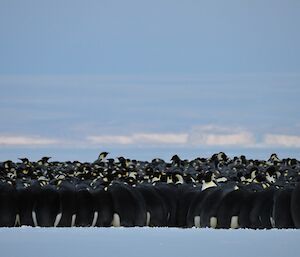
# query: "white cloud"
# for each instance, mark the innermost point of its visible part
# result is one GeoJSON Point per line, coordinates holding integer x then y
{"type": "Point", "coordinates": [240, 139]}
{"type": "Point", "coordinates": [141, 138]}
{"type": "Point", "coordinates": [26, 141]}
{"type": "Point", "coordinates": [281, 140]}
{"type": "Point", "coordinates": [157, 138]}
{"type": "Point", "coordinates": [203, 135]}
{"type": "Point", "coordinates": [211, 135]}
{"type": "Point", "coordinates": [110, 139]}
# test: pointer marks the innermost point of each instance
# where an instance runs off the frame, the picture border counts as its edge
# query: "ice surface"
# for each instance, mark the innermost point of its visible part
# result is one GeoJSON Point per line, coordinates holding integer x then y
{"type": "Point", "coordinates": [144, 242]}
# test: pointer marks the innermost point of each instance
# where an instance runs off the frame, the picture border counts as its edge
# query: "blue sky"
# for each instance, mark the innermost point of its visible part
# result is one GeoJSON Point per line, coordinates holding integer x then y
{"type": "Point", "coordinates": [149, 78]}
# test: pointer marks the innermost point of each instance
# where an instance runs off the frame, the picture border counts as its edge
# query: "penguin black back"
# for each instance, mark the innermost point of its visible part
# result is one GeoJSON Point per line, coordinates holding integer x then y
{"type": "Point", "coordinates": [229, 209]}
{"type": "Point", "coordinates": [46, 206]}
{"type": "Point", "coordinates": [103, 205]}
{"type": "Point", "coordinates": [84, 206]}
{"type": "Point", "coordinates": [169, 193]}
{"type": "Point", "coordinates": [8, 205]}
{"type": "Point", "coordinates": [68, 201]}
{"type": "Point", "coordinates": [295, 205]}
{"type": "Point", "coordinates": [282, 216]}
{"type": "Point", "coordinates": [261, 212]}
{"type": "Point", "coordinates": [129, 211]}
{"type": "Point", "coordinates": [211, 205]}
{"type": "Point", "coordinates": [186, 194]}
{"type": "Point", "coordinates": [26, 195]}
{"type": "Point", "coordinates": [194, 212]}
{"type": "Point", "coordinates": [245, 209]}
{"type": "Point", "coordinates": [157, 213]}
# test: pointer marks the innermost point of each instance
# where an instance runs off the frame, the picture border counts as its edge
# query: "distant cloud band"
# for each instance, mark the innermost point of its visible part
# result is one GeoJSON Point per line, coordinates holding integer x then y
{"type": "Point", "coordinates": [26, 141]}
{"type": "Point", "coordinates": [201, 136]}
{"type": "Point", "coordinates": [140, 138]}
{"type": "Point", "coordinates": [211, 135]}
{"type": "Point", "coordinates": [239, 139]}
{"type": "Point", "coordinates": [282, 140]}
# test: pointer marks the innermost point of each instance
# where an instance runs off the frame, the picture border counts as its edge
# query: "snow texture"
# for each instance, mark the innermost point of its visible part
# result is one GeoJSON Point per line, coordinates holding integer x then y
{"type": "Point", "coordinates": [144, 242]}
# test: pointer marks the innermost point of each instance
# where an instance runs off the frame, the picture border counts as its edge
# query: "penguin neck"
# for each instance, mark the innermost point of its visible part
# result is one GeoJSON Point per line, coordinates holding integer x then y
{"type": "Point", "coordinates": [155, 179]}
{"type": "Point", "coordinates": [180, 179]}
{"type": "Point", "coordinates": [209, 184]}
{"type": "Point", "coordinates": [270, 179]}
{"type": "Point", "coordinates": [169, 180]}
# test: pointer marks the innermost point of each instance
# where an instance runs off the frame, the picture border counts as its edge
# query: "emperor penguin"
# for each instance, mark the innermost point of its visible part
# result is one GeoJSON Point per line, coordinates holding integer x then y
{"type": "Point", "coordinates": [229, 209]}
{"type": "Point", "coordinates": [282, 215]}
{"type": "Point", "coordinates": [261, 212]}
{"type": "Point", "coordinates": [193, 218]}
{"type": "Point", "coordinates": [295, 205]}
{"type": "Point", "coordinates": [68, 201]}
{"type": "Point", "coordinates": [26, 194]}
{"type": "Point", "coordinates": [101, 157]}
{"type": "Point", "coordinates": [103, 206]}
{"type": "Point", "coordinates": [46, 206]}
{"type": "Point", "coordinates": [84, 206]}
{"type": "Point", "coordinates": [186, 194]}
{"type": "Point", "coordinates": [211, 205]}
{"type": "Point", "coordinates": [156, 209]}
{"type": "Point", "coordinates": [8, 204]}
{"type": "Point", "coordinates": [168, 192]}
{"type": "Point", "coordinates": [129, 208]}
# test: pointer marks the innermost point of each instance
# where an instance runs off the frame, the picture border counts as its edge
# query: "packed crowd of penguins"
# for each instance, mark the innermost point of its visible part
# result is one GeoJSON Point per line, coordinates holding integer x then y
{"type": "Point", "coordinates": [216, 192]}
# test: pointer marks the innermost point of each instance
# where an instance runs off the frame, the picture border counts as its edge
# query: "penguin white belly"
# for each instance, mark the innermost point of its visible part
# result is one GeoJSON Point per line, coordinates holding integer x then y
{"type": "Point", "coordinates": [116, 220]}
{"type": "Point", "coordinates": [17, 221]}
{"type": "Point", "coordinates": [272, 222]}
{"type": "Point", "coordinates": [73, 220]}
{"type": "Point", "coordinates": [197, 221]}
{"type": "Point", "coordinates": [57, 219]}
{"type": "Point", "coordinates": [33, 214]}
{"type": "Point", "coordinates": [208, 185]}
{"type": "Point", "coordinates": [95, 219]}
{"type": "Point", "coordinates": [234, 223]}
{"type": "Point", "coordinates": [213, 222]}
{"type": "Point", "coordinates": [148, 219]}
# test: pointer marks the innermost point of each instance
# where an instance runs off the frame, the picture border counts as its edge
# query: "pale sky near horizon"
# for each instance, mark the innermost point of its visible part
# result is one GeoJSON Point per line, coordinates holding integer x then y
{"type": "Point", "coordinates": [149, 78]}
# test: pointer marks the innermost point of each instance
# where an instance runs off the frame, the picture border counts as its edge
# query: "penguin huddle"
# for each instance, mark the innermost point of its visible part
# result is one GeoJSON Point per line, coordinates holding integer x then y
{"type": "Point", "coordinates": [215, 192]}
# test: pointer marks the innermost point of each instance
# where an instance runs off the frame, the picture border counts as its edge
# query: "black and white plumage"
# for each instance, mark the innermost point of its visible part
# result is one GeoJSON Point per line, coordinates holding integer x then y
{"type": "Point", "coordinates": [217, 192]}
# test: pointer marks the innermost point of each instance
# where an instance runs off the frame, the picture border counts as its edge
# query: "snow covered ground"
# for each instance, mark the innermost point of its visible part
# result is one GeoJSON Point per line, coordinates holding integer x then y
{"type": "Point", "coordinates": [144, 242]}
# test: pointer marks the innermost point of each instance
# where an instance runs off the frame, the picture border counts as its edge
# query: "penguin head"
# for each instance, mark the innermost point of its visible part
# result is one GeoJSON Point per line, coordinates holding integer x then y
{"type": "Point", "coordinates": [221, 156]}
{"type": "Point", "coordinates": [122, 161]}
{"type": "Point", "coordinates": [169, 177]}
{"type": "Point", "coordinates": [24, 160]}
{"type": "Point", "coordinates": [44, 161]}
{"type": "Point", "coordinates": [208, 181]}
{"type": "Point", "coordinates": [259, 178]}
{"type": "Point", "coordinates": [176, 160]}
{"type": "Point", "coordinates": [7, 164]}
{"type": "Point", "coordinates": [149, 171]}
{"type": "Point", "coordinates": [271, 174]}
{"type": "Point", "coordinates": [251, 174]}
{"type": "Point", "coordinates": [243, 159]}
{"type": "Point", "coordinates": [208, 176]}
{"type": "Point", "coordinates": [274, 159]}
{"type": "Point", "coordinates": [102, 155]}
{"type": "Point", "coordinates": [110, 161]}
